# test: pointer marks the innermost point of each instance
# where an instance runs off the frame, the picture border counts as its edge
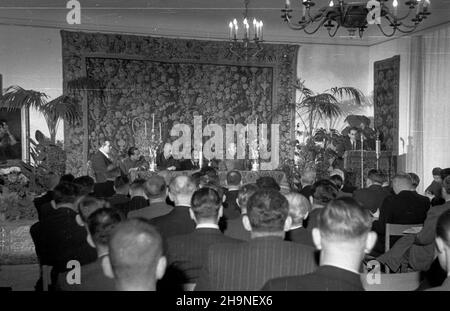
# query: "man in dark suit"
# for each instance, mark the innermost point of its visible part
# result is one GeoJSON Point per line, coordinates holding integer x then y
{"type": "Point", "coordinates": [43, 203]}
{"type": "Point", "coordinates": [105, 189]}
{"type": "Point", "coordinates": [231, 209]}
{"type": "Point", "coordinates": [343, 236]}
{"type": "Point", "coordinates": [99, 225]}
{"type": "Point", "coordinates": [417, 251]}
{"type": "Point", "coordinates": [235, 227]}
{"type": "Point", "coordinates": [373, 196]}
{"type": "Point", "coordinates": [85, 184]}
{"type": "Point", "coordinates": [178, 221]}
{"type": "Point", "coordinates": [190, 164]}
{"type": "Point", "coordinates": [405, 207]}
{"type": "Point", "coordinates": [188, 253]}
{"type": "Point", "coordinates": [443, 248]}
{"type": "Point", "coordinates": [136, 256]}
{"type": "Point", "coordinates": [120, 199]}
{"type": "Point", "coordinates": [59, 237]}
{"type": "Point", "coordinates": [349, 143]}
{"type": "Point", "coordinates": [137, 194]}
{"type": "Point", "coordinates": [247, 266]}
{"type": "Point", "coordinates": [101, 162]}
{"type": "Point", "coordinates": [156, 192]}
{"type": "Point", "coordinates": [299, 207]}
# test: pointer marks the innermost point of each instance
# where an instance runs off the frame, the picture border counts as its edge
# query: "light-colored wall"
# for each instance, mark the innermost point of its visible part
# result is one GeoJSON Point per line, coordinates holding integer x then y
{"type": "Point", "coordinates": [389, 49]}
{"type": "Point", "coordinates": [31, 58]}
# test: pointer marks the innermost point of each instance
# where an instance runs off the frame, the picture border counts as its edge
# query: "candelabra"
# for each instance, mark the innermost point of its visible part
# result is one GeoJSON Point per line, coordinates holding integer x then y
{"type": "Point", "coordinates": [250, 46]}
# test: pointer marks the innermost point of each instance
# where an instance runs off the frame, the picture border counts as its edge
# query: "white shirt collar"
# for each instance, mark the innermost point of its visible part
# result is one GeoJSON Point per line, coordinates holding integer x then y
{"type": "Point", "coordinates": [209, 226]}
{"type": "Point", "coordinates": [104, 153]}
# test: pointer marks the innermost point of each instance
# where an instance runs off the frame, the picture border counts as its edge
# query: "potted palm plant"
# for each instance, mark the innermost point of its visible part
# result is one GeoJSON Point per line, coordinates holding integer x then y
{"type": "Point", "coordinates": [315, 145]}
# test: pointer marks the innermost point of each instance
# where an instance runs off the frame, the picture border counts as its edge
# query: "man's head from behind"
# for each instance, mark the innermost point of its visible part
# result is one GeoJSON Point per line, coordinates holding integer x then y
{"type": "Point", "coordinates": [100, 224]}
{"type": "Point", "coordinates": [375, 177]}
{"type": "Point", "coordinates": [181, 189]}
{"type": "Point", "coordinates": [415, 180]}
{"type": "Point", "coordinates": [65, 193]}
{"type": "Point", "coordinates": [324, 191]}
{"type": "Point", "coordinates": [122, 185]}
{"type": "Point", "coordinates": [244, 194]}
{"type": "Point", "coordinates": [155, 187]}
{"type": "Point", "coordinates": [234, 178]}
{"type": "Point", "coordinates": [308, 177]}
{"type": "Point", "coordinates": [267, 213]}
{"type": "Point", "coordinates": [137, 188]}
{"type": "Point", "coordinates": [267, 182]}
{"type": "Point", "coordinates": [206, 206]}
{"type": "Point", "coordinates": [402, 182]}
{"type": "Point", "coordinates": [136, 255]}
{"type": "Point", "coordinates": [299, 207]}
{"type": "Point", "coordinates": [85, 184]}
{"type": "Point", "coordinates": [344, 226]}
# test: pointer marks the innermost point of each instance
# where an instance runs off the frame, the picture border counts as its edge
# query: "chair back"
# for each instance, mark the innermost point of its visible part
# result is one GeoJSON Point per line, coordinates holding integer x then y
{"type": "Point", "coordinates": [391, 281]}
{"type": "Point", "coordinates": [398, 230]}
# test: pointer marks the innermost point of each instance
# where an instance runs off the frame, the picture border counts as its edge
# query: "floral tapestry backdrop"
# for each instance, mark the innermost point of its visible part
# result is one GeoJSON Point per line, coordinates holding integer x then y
{"type": "Point", "coordinates": [174, 79]}
{"type": "Point", "coordinates": [173, 92]}
{"type": "Point", "coordinates": [386, 101]}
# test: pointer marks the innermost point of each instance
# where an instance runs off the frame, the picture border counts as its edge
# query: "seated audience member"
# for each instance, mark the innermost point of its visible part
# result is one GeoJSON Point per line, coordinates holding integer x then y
{"type": "Point", "coordinates": [165, 160]}
{"type": "Point", "coordinates": [249, 265]}
{"type": "Point", "coordinates": [436, 185]}
{"type": "Point", "coordinates": [415, 181]}
{"type": "Point", "coordinates": [121, 198]}
{"type": "Point", "coordinates": [443, 248]}
{"type": "Point", "coordinates": [231, 209]}
{"type": "Point", "coordinates": [178, 221]}
{"type": "Point", "coordinates": [188, 253]}
{"type": "Point", "coordinates": [338, 181]}
{"type": "Point", "coordinates": [307, 179]}
{"type": "Point", "coordinates": [99, 225]}
{"type": "Point", "coordinates": [299, 207]}
{"type": "Point", "coordinates": [416, 251]}
{"type": "Point", "coordinates": [190, 164]}
{"type": "Point", "coordinates": [323, 191]}
{"type": "Point", "coordinates": [85, 184]}
{"type": "Point", "coordinates": [43, 203]}
{"type": "Point", "coordinates": [235, 227]}
{"type": "Point", "coordinates": [156, 192]}
{"type": "Point", "coordinates": [136, 256]}
{"type": "Point", "coordinates": [434, 189]}
{"type": "Point", "coordinates": [267, 182]}
{"type": "Point", "coordinates": [405, 207]}
{"type": "Point", "coordinates": [59, 238]}
{"type": "Point", "coordinates": [138, 198]}
{"type": "Point", "coordinates": [343, 237]}
{"type": "Point", "coordinates": [372, 197]}
{"type": "Point", "coordinates": [135, 161]}
{"type": "Point", "coordinates": [106, 189]}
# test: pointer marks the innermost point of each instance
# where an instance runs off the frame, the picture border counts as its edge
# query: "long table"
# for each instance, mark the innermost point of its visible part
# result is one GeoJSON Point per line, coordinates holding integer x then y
{"type": "Point", "coordinates": [247, 176]}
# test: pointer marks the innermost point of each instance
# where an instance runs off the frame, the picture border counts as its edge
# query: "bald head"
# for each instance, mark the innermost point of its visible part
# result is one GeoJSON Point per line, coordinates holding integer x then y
{"type": "Point", "coordinates": [136, 255]}
{"type": "Point", "coordinates": [308, 177]}
{"type": "Point", "coordinates": [401, 182]}
{"type": "Point", "coordinates": [181, 189]}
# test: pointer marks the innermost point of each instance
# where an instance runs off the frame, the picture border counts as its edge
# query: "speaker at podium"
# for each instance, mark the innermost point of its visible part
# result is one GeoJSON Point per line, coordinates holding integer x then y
{"type": "Point", "coordinates": [359, 162]}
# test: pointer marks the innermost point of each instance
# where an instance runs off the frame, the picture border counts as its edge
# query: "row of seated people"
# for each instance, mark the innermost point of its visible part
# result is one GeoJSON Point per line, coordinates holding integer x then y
{"type": "Point", "coordinates": [251, 241]}
{"type": "Point", "coordinates": [103, 164]}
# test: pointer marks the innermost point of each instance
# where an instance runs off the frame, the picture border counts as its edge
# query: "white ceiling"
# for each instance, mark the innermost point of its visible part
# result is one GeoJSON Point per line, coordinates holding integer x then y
{"type": "Point", "coordinates": [203, 19]}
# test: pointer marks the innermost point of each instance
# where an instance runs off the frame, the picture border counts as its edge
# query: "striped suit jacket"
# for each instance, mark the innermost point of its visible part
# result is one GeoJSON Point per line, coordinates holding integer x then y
{"type": "Point", "coordinates": [248, 266]}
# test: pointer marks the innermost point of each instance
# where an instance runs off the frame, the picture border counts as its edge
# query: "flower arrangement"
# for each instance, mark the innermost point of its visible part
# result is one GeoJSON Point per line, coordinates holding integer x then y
{"type": "Point", "coordinates": [15, 201]}
{"type": "Point", "coordinates": [145, 140]}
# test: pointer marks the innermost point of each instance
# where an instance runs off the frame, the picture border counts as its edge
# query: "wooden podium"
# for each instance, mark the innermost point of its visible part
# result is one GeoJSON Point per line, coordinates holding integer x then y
{"type": "Point", "coordinates": [353, 159]}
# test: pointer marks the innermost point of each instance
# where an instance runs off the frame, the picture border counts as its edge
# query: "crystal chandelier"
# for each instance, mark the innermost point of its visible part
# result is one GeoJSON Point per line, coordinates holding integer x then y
{"type": "Point", "coordinates": [249, 45]}
{"type": "Point", "coordinates": [356, 16]}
